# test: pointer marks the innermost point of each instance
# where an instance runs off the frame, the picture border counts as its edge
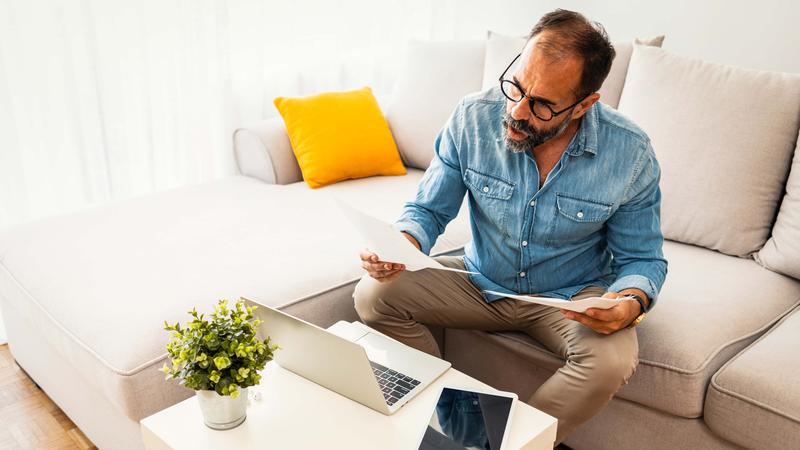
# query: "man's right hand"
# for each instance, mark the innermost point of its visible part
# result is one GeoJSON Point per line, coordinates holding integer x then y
{"type": "Point", "coordinates": [383, 271]}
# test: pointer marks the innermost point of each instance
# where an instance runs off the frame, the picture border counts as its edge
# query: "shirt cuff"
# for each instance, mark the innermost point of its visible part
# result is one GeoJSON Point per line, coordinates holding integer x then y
{"type": "Point", "coordinates": [416, 231]}
{"type": "Point", "coordinates": [636, 282]}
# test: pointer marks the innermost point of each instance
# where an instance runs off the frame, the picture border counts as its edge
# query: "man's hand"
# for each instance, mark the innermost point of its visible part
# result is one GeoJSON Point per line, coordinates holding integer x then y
{"type": "Point", "coordinates": [607, 321]}
{"type": "Point", "coordinates": [383, 271]}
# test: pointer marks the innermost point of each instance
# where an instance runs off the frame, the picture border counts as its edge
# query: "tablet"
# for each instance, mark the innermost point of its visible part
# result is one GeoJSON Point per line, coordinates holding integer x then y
{"type": "Point", "coordinates": [469, 419]}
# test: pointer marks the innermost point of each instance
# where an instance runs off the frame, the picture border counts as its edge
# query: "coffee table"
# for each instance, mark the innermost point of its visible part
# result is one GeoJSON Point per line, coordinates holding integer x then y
{"type": "Point", "coordinates": [293, 412]}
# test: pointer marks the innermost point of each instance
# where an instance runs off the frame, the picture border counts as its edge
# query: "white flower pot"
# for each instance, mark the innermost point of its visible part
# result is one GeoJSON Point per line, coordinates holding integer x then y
{"type": "Point", "coordinates": [221, 412]}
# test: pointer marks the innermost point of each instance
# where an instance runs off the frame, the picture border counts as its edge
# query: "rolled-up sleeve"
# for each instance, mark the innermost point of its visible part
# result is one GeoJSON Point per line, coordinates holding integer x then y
{"type": "Point", "coordinates": [634, 232]}
{"type": "Point", "coordinates": [440, 192]}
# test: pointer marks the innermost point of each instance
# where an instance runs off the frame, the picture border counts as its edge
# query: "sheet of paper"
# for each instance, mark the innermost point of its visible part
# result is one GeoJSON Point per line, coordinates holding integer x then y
{"type": "Point", "coordinates": [389, 244]}
{"type": "Point", "coordinates": [575, 305]}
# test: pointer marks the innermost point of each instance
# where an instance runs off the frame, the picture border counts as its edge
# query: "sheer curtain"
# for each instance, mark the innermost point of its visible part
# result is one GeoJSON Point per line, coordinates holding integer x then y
{"type": "Point", "coordinates": [106, 99]}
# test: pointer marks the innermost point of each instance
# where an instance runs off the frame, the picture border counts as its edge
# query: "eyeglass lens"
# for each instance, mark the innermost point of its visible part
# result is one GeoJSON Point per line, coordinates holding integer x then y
{"type": "Point", "coordinates": [513, 93]}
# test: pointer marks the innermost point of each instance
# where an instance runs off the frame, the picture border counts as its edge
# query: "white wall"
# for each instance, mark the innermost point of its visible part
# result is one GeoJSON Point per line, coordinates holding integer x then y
{"type": "Point", "coordinates": [2, 330]}
{"type": "Point", "coordinates": [761, 34]}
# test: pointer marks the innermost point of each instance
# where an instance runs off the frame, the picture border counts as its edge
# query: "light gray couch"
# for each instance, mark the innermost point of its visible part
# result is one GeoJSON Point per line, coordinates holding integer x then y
{"type": "Point", "coordinates": [84, 295]}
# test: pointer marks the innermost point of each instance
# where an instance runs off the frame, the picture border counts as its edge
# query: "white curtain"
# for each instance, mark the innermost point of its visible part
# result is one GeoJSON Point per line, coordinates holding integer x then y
{"type": "Point", "coordinates": [106, 99]}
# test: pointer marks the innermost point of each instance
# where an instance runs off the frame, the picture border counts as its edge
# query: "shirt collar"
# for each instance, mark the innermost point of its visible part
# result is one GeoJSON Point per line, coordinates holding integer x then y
{"type": "Point", "coordinates": [586, 139]}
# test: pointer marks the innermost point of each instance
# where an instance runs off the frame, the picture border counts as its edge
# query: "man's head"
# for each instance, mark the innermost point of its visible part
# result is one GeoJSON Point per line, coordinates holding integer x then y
{"type": "Point", "coordinates": [563, 64]}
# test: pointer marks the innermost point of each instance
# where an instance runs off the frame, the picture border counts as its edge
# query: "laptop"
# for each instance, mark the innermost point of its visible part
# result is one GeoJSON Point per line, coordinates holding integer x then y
{"type": "Point", "coordinates": [350, 359]}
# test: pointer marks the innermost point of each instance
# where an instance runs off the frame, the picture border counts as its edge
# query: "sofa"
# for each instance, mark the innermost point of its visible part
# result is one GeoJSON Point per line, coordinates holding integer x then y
{"type": "Point", "coordinates": [84, 295]}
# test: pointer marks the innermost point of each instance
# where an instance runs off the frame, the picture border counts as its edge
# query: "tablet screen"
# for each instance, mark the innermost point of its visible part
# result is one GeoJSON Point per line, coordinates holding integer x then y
{"type": "Point", "coordinates": [467, 420]}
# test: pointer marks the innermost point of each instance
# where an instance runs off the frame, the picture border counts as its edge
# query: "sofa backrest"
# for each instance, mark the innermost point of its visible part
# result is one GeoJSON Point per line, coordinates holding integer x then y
{"type": "Point", "coordinates": [437, 75]}
{"type": "Point", "coordinates": [501, 49]}
{"type": "Point", "coordinates": [724, 138]}
{"type": "Point", "coordinates": [781, 253]}
{"type": "Point", "coordinates": [434, 78]}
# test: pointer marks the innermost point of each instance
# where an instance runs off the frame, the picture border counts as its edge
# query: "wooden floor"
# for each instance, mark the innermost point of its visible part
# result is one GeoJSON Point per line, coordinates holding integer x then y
{"type": "Point", "coordinates": [28, 418]}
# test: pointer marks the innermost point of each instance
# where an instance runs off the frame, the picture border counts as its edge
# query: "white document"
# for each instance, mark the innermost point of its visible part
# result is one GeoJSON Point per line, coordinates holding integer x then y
{"type": "Point", "coordinates": [389, 244]}
{"type": "Point", "coordinates": [573, 305]}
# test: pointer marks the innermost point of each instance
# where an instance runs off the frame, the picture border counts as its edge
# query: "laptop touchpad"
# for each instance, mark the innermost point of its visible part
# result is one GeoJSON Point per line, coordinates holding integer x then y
{"type": "Point", "coordinates": [378, 348]}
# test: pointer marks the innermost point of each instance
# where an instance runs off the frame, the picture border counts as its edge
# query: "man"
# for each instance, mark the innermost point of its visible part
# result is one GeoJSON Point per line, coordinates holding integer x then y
{"type": "Point", "coordinates": [564, 202]}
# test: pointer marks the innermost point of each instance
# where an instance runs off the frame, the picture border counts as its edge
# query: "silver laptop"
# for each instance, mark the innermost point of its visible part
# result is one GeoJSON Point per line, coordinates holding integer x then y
{"type": "Point", "coordinates": [350, 359]}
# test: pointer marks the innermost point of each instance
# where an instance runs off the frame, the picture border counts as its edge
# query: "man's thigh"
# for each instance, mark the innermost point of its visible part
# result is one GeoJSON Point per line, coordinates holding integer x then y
{"type": "Point", "coordinates": [568, 337]}
{"type": "Point", "coordinates": [433, 297]}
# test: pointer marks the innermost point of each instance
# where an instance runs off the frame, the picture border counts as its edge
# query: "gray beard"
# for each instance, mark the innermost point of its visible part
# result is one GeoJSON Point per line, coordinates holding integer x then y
{"type": "Point", "coordinates": [534, 137]}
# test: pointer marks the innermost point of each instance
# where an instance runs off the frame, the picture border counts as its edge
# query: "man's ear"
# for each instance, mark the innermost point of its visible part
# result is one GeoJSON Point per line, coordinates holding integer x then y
{"type": "Point", "coordinates": [585, 105]}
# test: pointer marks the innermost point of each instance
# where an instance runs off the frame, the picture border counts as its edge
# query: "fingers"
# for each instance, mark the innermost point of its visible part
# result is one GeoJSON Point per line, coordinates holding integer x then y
{"type": "Point", "coordinates": [390, 277]}
{"type": "Point", "coordinates": [607, 315]}
{"type": "Point", "coordinates": [600, 326]}
{"type": "Point", "coordinates": [381, 266]}
{"type": "Point", "coordinates": [367, 255]}
{"type": "Point", "coordinates": [380, 270]}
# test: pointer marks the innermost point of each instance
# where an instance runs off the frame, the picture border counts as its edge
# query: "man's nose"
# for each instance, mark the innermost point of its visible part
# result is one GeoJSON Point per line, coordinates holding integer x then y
{"type": "Point", "coordinates": [520, 110]}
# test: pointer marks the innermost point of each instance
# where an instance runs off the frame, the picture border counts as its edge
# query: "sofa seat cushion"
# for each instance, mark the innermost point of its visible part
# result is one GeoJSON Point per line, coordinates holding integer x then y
{"type": "Point", "coordinates": [101, 282]}
{"type": "Point", "coordinates": [754, 400]}
{"type": "Point", "coordinates": [711, 307]}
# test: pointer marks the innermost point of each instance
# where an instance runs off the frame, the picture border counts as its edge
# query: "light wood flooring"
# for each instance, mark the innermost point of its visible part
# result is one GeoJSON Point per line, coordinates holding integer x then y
{"type": "Point", "coordinates": [28, 418]}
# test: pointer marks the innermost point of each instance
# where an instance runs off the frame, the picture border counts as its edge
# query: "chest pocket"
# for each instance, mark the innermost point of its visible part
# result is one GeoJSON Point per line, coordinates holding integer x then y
{"type": "Point", "coordinates": [577, 219]}
{"type": "Point", "coordinates": [491, 195]}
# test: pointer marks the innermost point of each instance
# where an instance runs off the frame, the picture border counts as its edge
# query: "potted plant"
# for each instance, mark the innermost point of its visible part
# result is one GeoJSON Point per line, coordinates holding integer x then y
{"type": "Point", "coordinates": [219, 358]}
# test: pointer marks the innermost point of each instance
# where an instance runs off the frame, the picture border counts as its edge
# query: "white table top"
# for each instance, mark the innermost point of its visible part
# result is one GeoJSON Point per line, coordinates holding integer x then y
{"type": "Point", "coordinates": [294, 412]}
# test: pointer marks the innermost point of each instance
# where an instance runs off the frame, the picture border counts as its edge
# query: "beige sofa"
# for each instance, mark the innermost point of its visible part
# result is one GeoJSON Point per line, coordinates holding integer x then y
{"type": "Point", "coordinates": [84, 295]}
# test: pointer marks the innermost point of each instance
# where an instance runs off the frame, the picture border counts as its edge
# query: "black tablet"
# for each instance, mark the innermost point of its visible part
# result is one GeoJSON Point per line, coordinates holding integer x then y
{"type": "Point", "coordinates": [469, 419]}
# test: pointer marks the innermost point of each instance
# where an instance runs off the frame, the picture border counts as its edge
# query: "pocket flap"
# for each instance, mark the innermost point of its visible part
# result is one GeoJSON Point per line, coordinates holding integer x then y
{"type": "Point", "coordinates": [582, 210]}
{"type": "Point", "coordinates": [488, 185]}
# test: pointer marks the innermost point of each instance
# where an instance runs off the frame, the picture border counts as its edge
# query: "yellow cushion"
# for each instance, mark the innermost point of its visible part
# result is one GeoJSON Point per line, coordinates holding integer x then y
{"type": "Point", "coordinates": [340, 135]}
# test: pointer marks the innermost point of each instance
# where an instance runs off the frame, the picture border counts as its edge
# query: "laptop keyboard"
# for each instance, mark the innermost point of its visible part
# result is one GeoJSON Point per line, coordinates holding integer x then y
{"type": "Point", "coordinates": [394, 385]}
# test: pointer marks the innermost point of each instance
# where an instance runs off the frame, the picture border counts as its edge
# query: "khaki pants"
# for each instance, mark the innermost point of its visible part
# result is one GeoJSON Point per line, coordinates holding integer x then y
{"type": "Point", "coordinates": [597, 365]}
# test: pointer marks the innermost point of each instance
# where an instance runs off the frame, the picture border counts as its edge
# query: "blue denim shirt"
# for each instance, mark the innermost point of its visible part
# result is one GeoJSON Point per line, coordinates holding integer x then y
{"type": "Point", "coordinates": [595, 220]}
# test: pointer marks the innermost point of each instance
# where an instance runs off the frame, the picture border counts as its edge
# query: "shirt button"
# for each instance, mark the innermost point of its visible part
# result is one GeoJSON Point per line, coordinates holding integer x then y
{"type": "Point", "coordinates": [524, 243]}
{"type": "Point", "coordinates": [533, 202]}
{"type": "Point", "coordinates": [486, 189]}
{"type": "Point", "coordinates": [580, 214]}
{"type": "Point", "coordinates": [522, 274]}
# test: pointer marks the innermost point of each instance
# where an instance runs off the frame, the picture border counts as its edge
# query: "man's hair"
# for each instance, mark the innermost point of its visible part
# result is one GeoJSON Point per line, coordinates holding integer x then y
{"type": "Point", "coordinates": [575, 35]}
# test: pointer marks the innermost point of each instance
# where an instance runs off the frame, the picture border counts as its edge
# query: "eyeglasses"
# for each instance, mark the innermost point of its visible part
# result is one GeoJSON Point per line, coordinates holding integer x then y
{"type": "Point", "coordinates": [539, 108]}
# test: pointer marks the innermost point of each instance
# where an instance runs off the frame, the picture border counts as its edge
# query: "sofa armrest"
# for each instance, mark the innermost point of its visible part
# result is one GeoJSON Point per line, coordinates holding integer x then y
{"type": "Point", "coordinates": [263, 151]}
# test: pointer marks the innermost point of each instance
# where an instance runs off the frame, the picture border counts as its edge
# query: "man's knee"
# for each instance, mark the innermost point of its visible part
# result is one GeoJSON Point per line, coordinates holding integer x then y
{"type": "Point", "coordinates": [613, 361]}
{"type": "Point", "coordinates": [369, 299]}
{"type": "Point", "coordinates": [614, 370]}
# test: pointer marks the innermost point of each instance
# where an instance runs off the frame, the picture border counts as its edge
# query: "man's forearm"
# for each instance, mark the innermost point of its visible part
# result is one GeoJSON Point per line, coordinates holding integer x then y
{"type": "Point", "coordinates": [411, 239]}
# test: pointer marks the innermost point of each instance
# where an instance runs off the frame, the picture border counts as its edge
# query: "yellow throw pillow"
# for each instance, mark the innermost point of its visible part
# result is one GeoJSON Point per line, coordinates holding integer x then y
{"type": "Point", "coordinates": [340, 135]}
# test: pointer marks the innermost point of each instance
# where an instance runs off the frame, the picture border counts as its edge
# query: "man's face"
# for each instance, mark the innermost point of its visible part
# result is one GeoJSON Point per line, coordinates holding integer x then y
{"type": "Point", "coordinates": [553, 81]}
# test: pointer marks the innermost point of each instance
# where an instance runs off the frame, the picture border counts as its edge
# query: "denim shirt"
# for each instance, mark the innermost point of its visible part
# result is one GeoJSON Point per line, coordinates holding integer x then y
{"type": "Point", "coordinates": [594, 221]}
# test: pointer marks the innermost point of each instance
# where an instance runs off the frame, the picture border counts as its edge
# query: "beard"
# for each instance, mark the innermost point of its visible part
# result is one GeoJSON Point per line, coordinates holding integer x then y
{"type": "Point", "coordinates": [533, 137]}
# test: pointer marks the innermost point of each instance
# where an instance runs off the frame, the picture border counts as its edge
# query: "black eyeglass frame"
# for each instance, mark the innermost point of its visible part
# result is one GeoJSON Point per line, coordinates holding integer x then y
{"type": "Point", "coordinates": [531, 99]}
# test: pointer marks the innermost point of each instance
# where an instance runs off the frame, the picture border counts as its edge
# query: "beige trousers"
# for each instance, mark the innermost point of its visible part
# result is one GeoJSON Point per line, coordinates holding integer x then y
{"type": "Point", "coordinates": [597, 365]}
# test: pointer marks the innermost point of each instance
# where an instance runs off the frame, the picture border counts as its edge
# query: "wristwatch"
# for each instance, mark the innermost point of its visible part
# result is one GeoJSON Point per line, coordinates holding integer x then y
{"type": "Point", "coordinates": [642, 306]}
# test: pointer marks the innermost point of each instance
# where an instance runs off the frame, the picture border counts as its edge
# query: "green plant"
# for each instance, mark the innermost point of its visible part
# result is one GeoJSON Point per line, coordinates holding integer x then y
{"type": "Point", "coordinates": [221, 354]}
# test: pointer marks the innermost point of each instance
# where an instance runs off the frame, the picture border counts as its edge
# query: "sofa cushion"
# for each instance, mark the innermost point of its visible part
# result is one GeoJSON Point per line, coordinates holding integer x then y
{"type": "Point", "coordinates": [724, 138]}
{"type": "Point", "coordinates": [754, 400]}
{"type": "Point", "coordinates": [501, 49]}
{"type": "Point", "coordinates": [710, 308]}
{"type": "Point", "coordinates": [434, 78]}
{"type": "Point", "coordinates": [100, 283]}
{"type": "Point", "coordinates": [339, 136]}
{"type": "Point", "coordinates": [781, 253]}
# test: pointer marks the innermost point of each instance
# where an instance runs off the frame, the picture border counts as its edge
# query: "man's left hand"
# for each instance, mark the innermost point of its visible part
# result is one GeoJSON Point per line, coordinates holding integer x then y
{"type": "Point", "coordinates": [607, 321]}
